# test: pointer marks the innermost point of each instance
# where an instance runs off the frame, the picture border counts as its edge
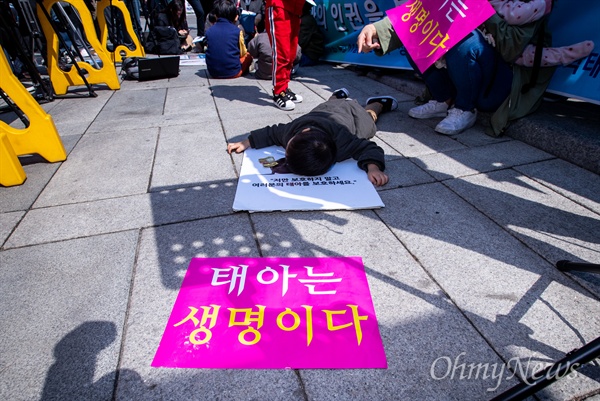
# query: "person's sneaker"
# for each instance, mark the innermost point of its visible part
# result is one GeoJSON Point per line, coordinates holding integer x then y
{"type": "Point", "coordinates": [388, 102]}
{"type": "Point", "coordinates": [341, 93]}
{"type": "Point", "coordinates": [292, 96]}
{"type": "Point", "coordinates": [284, 102]}
{"type": "Point", "coordinates": [457, 121]}
{"type": "Point", "coordinates": [429, 110]}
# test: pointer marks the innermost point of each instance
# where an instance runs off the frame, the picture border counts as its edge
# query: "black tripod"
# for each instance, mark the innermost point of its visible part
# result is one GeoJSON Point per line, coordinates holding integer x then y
{"type": "Point", "coordinates": [570, 363]}
{"type": "Point", "coordinates": [64, 24]}
{"type": "Point", "coordinates": [150, 10]}
{"type": "Point", "coordinates": [14, 38]}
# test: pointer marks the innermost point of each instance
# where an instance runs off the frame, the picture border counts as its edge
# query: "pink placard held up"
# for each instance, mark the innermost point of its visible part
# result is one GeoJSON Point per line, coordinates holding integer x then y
{"type": "Point", "coordinates": [429, 28]}
{"type": "Point", "coordinates": [272, 313]}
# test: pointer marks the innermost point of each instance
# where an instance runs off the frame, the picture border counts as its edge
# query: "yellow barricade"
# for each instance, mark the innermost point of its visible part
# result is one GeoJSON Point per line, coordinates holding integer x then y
{"type": "Point", "coordinates": [139, 49]}
{"type": "Point", "coordinates": [62, 80]}
{"type": "Point", "coordinates": [40, 137]}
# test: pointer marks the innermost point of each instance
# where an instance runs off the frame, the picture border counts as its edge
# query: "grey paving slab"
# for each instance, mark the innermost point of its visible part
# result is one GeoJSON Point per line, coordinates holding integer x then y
{"type": "Point", "coordinates": [164, 255]}
{"type": "Point", "coordinates": [103, 166]}
{"type": "Point", "coordinates": [418, 323]}
{"type": "Point", "coordinates": [188, 75]}
{"type": "Point", "coordinates": [8, 221]}
{"type": "Point", "coordinates": [492, 157]}
{"type": "Point", "coordinates": [404, 173]}
{"type": "Point", "coordinates": [575, 183]}
{"type": "Point", "coordinates": [241, 99]}
{"type": "Point", "coordinates": [73, 115]}
{"type": "Point", "coordinates": [167, 205]}
{"type": "Point", "coordinates": [460, 270]}
{"type": "Point", "coordinates": [552, 225]}
{"type": "Point", "coordinates": [191, 100]}
{"type": "Point", "coordinates": [39, 173]}
{"type": "Point", "coordinates": [518, 301]}
{"type": "Point", "coordinates": [411, 138]}
{"type": "Point", "coordinates": [477, 137]}
{"type": "Point", "coordinates": [191, 154]}
{"type": "Point", "coordinates": [63, 309]}
{"type": "Point", "coordinates": [389, 152]}
{"type": "Point", "coordinates": [142, 108]}
{"type": "Point", "coordinates": [235, 130]}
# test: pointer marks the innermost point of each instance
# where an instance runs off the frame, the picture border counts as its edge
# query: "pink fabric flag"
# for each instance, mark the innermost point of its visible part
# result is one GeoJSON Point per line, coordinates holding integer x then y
{"type": "Point", "coordinates": [272, 313]}
{"type": "Point", "coordinates": [429, 28]}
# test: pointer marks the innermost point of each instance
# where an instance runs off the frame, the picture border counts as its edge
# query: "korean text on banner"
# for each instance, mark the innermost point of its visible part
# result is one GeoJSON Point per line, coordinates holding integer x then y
{"type": "Point", "coordinates": [273, 313]}
{"type": "Point", "coordinates": [429, 28]}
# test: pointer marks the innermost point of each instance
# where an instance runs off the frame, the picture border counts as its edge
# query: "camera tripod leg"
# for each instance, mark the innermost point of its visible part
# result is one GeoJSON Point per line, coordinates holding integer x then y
{"type": "Point", "coordinates": [67, 48]}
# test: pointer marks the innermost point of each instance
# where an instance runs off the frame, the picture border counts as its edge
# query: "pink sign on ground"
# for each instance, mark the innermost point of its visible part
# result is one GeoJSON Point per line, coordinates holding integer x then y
{"type": "Point", "coordinates": [429, 28]}
{"type": "Point", "coordinates": [272, 313]}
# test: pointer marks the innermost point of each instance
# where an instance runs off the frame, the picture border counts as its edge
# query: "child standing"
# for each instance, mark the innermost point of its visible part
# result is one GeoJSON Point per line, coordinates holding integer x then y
{"type": "Point", "coordinates": [226, 54]}
{"type": "Point", "coordinates": [260, 50]}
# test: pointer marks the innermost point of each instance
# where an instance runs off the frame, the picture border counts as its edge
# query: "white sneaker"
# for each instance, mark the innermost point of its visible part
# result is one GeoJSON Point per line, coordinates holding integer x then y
{"type": "Point", "coordinates": [293, 96]}
{"type": "Point", "coordinates": [284, 102]}
{"type": "Point", "coordinates": [428, 110]}
{"type": "Point", "coordinates": [457, 121]}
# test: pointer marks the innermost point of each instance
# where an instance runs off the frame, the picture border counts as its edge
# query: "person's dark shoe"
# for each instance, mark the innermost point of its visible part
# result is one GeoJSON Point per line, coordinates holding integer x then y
{"type": "Point", "coordinates": [341, 93]}
{"type": "Point", "coordinates": [388, 102]}
{"type": "Point", "coordinates": [292, 96]}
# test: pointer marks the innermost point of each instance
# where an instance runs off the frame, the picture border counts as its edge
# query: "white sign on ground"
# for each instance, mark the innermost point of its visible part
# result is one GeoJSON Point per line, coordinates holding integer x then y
{"type": "Point", "coordinates": [343, 187]}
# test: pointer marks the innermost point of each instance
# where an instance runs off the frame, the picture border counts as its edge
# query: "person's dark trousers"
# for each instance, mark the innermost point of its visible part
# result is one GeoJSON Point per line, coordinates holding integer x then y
{"type": "Point", "coordinates": [475, 77]}
{"type": "Point", "coordinates": [200, 16]}
{"type": "Point", "coordinates": [201, 9]}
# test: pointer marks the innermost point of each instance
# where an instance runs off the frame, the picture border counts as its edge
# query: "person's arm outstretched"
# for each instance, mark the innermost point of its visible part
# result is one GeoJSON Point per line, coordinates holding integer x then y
{"type": "Point", "coordinates": [368, 39]}
{"type": "Point", "coordinates": [376, 176]}
{"type": "Point", "coordinates": [238, 147]}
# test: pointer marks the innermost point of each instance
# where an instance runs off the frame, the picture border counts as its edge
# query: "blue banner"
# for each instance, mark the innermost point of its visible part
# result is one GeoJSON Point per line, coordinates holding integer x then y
{"type": "Point", "coordinates": [570, 22]}
{"type": "Point", "coordinates": [342, 21]}
{"type": "Point", "coordinates": [573, 22]}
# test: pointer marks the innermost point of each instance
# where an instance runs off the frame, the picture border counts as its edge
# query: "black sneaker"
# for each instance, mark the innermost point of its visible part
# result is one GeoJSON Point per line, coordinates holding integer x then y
{"type": "Point", "coordinates": [292, 96]}
{"type": "Point", "coordinates": [388, 102]}
{"type": "Point", "coordinates": [341, 93]}
{"type": "Point", "coordinates": [284, 102]}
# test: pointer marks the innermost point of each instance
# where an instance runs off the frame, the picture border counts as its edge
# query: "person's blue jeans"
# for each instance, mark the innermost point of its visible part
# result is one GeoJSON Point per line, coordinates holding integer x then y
{"type": "Point", "coordinates": [476, 76]}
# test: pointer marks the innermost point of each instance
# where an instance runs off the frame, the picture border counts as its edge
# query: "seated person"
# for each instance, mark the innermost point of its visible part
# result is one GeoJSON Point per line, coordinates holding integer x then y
{"type": "Point", "coordinates": [261, 51]}
{"type": "Point", "coordinates": [518, 13]}
{"type": "Point", "coordinates": [174, 16]}
{"type": "Point", "coordinates": [335, 130]}
{"type": "Point", "coordinates": [310, 38]}
{"type": "Point", "coordinates": [226, 54]}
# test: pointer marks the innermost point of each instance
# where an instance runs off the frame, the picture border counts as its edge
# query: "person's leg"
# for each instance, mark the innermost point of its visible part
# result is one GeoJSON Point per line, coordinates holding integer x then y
{"type": "Point", "coordinates": [467, 63]}
{"type": "Point", "coordinates": [278, 28]}
{"type": "Point", "coordinates": [552, 56]}
{"type": "Point", "coordinates": [481, 77]}
{"type": "Point", "coordinates": [200, 16]}
{"type": "Point", "coordinates": [294, 23]}
{"type": "Point", "coordinates": [442, 91]}
{"type": "Point", "coordinates": [521, 12]}
{"type": "Point", "coordinates": [380, 104]}
{"type": "Point", "coordinates": [475, 69]}
{"type": "Point", "coordinates": [497, 87]}
{"type": "Point", "coordinates": [280, 34]}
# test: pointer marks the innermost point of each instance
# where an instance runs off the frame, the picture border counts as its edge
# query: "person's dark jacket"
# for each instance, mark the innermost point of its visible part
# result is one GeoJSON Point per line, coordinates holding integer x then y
{"type": "Point", "coordinates": [223, 52]}
{"type": "Point", "coordinates": [341, 119]}
{"type": "Point", "coordinates": [310, 38]}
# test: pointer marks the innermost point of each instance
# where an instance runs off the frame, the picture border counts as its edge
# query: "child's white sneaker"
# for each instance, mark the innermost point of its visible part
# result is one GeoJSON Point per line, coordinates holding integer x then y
{"type": "Point", "coordinates": [284, 102]}
{"type": "Point", "coordinates": [429, 110]}
{"type": "Point", "coordinates": [457, 121]}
